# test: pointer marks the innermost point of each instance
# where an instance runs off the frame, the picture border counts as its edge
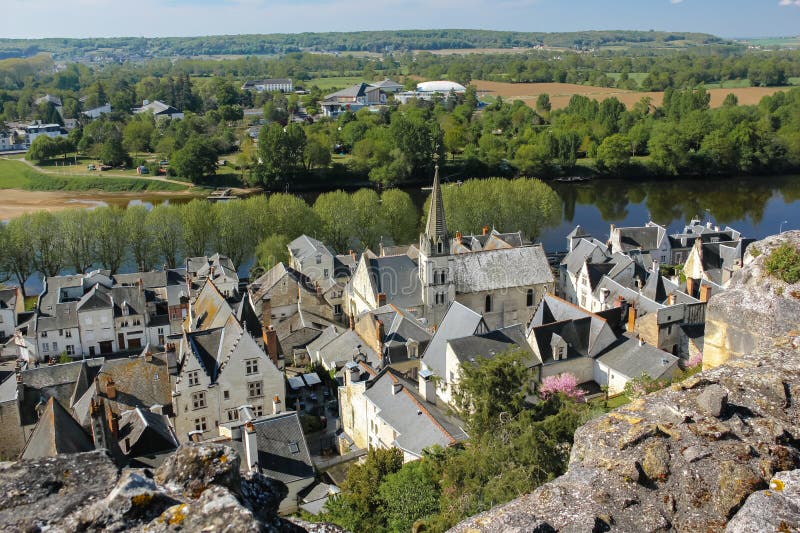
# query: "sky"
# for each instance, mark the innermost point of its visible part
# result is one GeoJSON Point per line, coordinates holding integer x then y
{"type": "Point", "coordinates": [158, 18]}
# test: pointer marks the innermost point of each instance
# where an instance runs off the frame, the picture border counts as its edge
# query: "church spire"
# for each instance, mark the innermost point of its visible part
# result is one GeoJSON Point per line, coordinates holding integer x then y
{"type": "Point", "coordinates": [436, 227]}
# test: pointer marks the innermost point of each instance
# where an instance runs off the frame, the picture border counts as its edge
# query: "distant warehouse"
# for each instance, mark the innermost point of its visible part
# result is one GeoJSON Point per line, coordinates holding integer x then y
{"type": "Point", "coordinates": [283, 85]}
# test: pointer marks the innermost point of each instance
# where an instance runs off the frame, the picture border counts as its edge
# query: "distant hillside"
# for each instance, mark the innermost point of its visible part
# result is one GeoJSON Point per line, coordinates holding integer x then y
{"type": "Point", "coordinates": [365, 41]}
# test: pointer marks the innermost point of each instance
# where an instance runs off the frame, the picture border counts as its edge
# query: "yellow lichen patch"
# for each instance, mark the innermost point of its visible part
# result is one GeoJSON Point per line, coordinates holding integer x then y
{"type": "Point", "coordinates": [777, 485]}
{"type": "Point", "coordinates": [632, 420]}
{"type": "Point", "coordinates": [141, 500]}
{"type": "Point", "coordinates": [636, 405]}
{"type": "Point", "coordinates": [174, 515]}
{"type": "Point", "coordinates": [223, 458]}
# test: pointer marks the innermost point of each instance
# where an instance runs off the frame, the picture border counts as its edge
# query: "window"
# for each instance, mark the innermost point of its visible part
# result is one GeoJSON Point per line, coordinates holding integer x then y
{"type": "Point", "coordinates": [251, 367]}
{"type": "Point", "coordinates": [439, 247]}
{"type": "Point", "coordinates": [319, 259]}
{"type": "Point", "coordinates": [488, 304]}
{"type": "Point", "coordinates": [226, 395]}
{"type": "Point", "coordinates": [294, 447]}
{"type": "Point", "coordinates": [200, 424]}
{"type": "Point", "coordinates": [45, 347]}
{"type": "Point", "coordinates": [325, 273]}
{"type": "Point", "coordinates": [68, 334]}
{"type": "Point", "coordinates": [194, 378]}
{"type": "Point", "coordinates": [254, 389]}
{"type": "Point", "coordinates": [258, 410]}
{"type": "Point", "coordinates": [529, 298]}
{"type": "Point", "coordinates": [44, 334]}
{"type": "Point", "coordinates": [233, 415]}
{"type": "Point", "coordinates": [55, 346]}
{"type": "Point", "coordinates": [199, 400]}
{"type": "Point", "coordinates": [60, 332]}
{"type": "Point", "coordinates": [337, 309]}
{"type": "Point", "coordinates": [70, 349]}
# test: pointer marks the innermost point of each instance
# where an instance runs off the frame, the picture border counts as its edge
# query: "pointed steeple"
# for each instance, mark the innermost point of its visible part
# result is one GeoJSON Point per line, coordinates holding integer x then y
{"type": "Point", "coordinates": [436, 227]}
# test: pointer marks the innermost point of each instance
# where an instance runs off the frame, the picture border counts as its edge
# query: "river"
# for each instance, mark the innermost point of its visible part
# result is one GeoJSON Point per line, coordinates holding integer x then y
{"type": "Point", "coordinates": [756, 206]}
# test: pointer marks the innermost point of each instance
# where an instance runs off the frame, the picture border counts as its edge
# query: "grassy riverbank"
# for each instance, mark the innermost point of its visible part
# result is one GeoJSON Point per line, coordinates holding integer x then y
{"type": "Point", "coordinates": [17, 175]}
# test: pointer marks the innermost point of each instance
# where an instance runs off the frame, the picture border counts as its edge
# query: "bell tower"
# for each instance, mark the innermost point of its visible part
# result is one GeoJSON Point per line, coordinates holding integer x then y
{"type": "Point", "coordinates": [436, 272]}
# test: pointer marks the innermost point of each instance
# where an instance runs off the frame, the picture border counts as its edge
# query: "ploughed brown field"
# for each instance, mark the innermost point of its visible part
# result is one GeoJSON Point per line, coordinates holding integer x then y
{"type": "Point", "coordinates": [560, 93]}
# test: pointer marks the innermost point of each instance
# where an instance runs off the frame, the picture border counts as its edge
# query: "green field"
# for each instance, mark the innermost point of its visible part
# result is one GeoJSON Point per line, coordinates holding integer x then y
{"type": "Point", "coordinates": [18, 175]}
{"type": "Point", "coordinates": [326, 84]}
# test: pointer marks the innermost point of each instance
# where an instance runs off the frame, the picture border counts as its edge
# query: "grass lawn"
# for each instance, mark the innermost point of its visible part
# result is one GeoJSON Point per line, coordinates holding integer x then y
{"type": "Point", "coordinates": [729, 84]}
{"type": "Point", "coordinates": [794, 81]}
{"type": "Point", "coordinates": [326, 84]}
{"type": "Point", "coordinates": [18, 175]}
{"type": "Point", "coordinates": [615, 401]}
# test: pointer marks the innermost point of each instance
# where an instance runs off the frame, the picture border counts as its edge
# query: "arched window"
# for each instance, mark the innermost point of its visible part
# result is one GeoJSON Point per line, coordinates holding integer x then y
{"type": "Point", "coordinates": [439, 247]}
{"type": "Point", "coordinates": [488, 304]}
{"type": "Point", "coordinates": [529, 301]}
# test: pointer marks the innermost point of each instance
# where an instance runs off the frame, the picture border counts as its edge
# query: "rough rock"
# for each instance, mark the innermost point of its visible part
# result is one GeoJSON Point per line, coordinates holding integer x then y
{"type": "Point", "coordinates": [774, 509]}
{"type": "Point", "coordinates": [199, 488]}
{"type": "Point", "coordinates": [755, 309]}
{"type": "Point", "coordinates": [713, 400]}
{"type": "Point", "coordinates": [645, 468]}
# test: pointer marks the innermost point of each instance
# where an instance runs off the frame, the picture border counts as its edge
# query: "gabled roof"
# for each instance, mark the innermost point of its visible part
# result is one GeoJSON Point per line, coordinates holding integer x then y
{"type": "Point", "coordinates": [643, 238]}
{"type": "Point", "coordinates": [359, 89]}
{"type": "Point", "coordinates": [400, 327]}
{"type": "Point", "coordinates": [343, 349]}
{"type": "Point", "coordinates": [501, 269]}
{"type": "Point", "coordinates": [486, 345]}
{"type": "Point", "coordinates": [97, 298]}
{"type": "Point", "coordinates": [210, 309]}
{"type": "Point", "coordinates": [583, 249]}
{"type": "Point", "coordinates": [632, 359]}
{"type": "Point", "coordinates": [417, 423]}
{"type": "Point", "coordinates": [56, 432]}
{"type": "Point", "coordinates": [8, 298]}
{"type": "Point", "coordinates": [397, 277]}
{"type": "Point", "coordinates": [282, 450]}
{"type": "Point", "coordinates": [261, 286]}
{"type": "Point", "coordinates": [386, 84]}
{"type": "Point", "coordinates": [459, 321]}
{"type": "Point", "coordinates": [304, 247]}
{"type": "Point", "coordinates": [142, 431]}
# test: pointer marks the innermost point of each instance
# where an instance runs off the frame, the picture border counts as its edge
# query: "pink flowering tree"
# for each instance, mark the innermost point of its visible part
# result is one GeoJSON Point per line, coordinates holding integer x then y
{"type": "Point", "coordinates": [695, 360]}
{"type": "Point", "coordinates": [565, 383]}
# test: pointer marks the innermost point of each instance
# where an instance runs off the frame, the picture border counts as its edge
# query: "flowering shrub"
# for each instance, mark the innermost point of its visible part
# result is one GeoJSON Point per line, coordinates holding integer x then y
{"type": "Point", "coordinates": [695, 360]}
{"type": "Point", "coordinates": [565, 383]}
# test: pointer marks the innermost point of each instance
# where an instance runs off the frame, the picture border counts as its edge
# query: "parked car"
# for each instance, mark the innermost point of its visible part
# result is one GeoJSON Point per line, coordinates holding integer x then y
{"type": "Point", "coordinates": [105, 167]}
{"type": "Point", "coordinates": [90, 167]}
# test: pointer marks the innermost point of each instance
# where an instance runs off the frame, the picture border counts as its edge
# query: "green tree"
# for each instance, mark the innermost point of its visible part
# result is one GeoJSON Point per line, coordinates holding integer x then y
{"type": "Point", "coordinates": [45, 236]}
{"type": "Point", "coordinates": [613, 154]}
{"type": "Point", "coordinates": [334, 210]}
{"type": "Point", "coordinates": [196, 160]}
{"type": "Point", "coordinates": [409, 495]}
{"type": "Point", "coordinates": [281, 152]}
{"type": "Point", "coordinates": [42, 148]}
{"type": "Point", "coordinates": [140, 237]}
{"type": "Point", "coordinates": [543, 104]}
{"type": "Point", "coordinates": [164, 224]}
{"type": "Point", "coordinates": [234, 236]}
{"type": "Point", "coordinates": [78, 233]}
{"type": "Point", "coordinates": [358, 507]}
{"type": "Point", "coordinates": [17, 258]}
{"type": "Point", "coordinates": [137, 133]}
{"type": "Point", "coordinates": [365, 217]}
{"type": "Point", "coordinates": [111, 152]}
{"type": "Point", "coordinates": [399, 216]}
{"type": "Point", "coordinates": [199, 224]}
{"type": "Point", "coordinates": [271, 251]}
{"type": "Point", "coordinates": [110, 237]}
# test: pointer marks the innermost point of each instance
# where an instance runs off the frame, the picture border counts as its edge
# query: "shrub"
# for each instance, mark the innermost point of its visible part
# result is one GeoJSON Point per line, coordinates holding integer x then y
{"type": "Point", "coordinates": [784, 263]}
{"type": "Point", "coordinates": [565, 383]}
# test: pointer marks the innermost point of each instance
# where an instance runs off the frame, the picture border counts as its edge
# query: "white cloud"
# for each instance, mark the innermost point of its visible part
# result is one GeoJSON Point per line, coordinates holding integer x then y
{"type": "Point", "coordinates": [789, 3]}
{"type": "Point", "coordinates": [675, 1]}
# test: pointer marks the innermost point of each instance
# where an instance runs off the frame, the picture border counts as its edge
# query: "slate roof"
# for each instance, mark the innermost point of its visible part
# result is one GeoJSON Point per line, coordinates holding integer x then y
{"type": "Point", "coordinates": [436, 225]}
{"type": "Point", "coordinates": [146, 432]}
{"type": "Point", "coordinates": [98, 297]}
{"type": "Point", "coordinates": [501, 269]}
{"type": "Point", "coordinates": [261, 286]}
{"type": "Point", "coordinates": [459, 321]}
{"type": "Point", "coordinates": [343, 348]}
{"type": "Point", "coordinates": [277, 437]}
{"type": "Point", "coordinates": [584, 249]}
{"type": "Point", "coordinates": [157, 108]}
{"type": "Point", "coordinates": [357, 90]}
{"type": "Point", "coordinates": [210, 309]}
{"type": "Point", "coordinates": [304, 247]}
{"type": "Point", "coordinates": [485, 345]}
{"type": "Point", "coordinates": [400, 327]}
{"type": "Point", "coordinates": [56, 432]}
{"type": "Point", "coordinates": [387, 84]}
{"type": "Point", "coordinates": [8, 298]}
{"type": "Point", "coordinates": [631, 359]}
{"type": "Point", "coordinates": [418, 424]}
{"type": "Point", "coordinates": [397, 277]}
{"type": "Point", "coordinates": [640, 238]}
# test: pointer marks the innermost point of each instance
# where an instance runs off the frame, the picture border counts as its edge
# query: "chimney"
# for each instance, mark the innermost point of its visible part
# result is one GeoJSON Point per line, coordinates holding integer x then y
{"type": "Point", "coordinates": [458, 237]}
{"type": "Point", "coordinates": [352, 373]}
{"type": "Point", "coordinates": [266, 312]}
{"type": "Point", "coordinates": [655, 266]}
{"type": "Point", "coordinates": [396, 387]}
{"type": "Point", "coordinates": [381, 299]}
{"type": "Point", "coordinates": [427, 388]}
{"type": "Point", "coordinates": [631, 317]}
{"type": "Point", "coordinates": [716, 228]}
{"type": "Point", "coordinates": [148, 356]}
{"type": "Point", "coordinates": [690, 286]}
{"type": "Point", "coordinates": [276, 405]}
{"type": "Point", "coordinates": [157, 409]}
{"type": "Point", "coordinates": [604, 292]}
{"type": "Point", "coordinates": [380, 334]}
{"type": "Point", "coordinates": [485, 230]}
{"type": "Point", "coordinates": [708, 224]}
{"type": "Point", "coordinates": [271, 344]}
{"type": "Point", "coordinates": [111, 389]}
{"type": "Point", "coordinates": [671, 299]}
{"type": "Point", "coordinates": [251, 447]}
{"type": "Point", "coordinates": [113, 424]}
{"type": "Point", "coordinates": [705, 293]}
{"type": "Point", "coordinates": [352, 322]}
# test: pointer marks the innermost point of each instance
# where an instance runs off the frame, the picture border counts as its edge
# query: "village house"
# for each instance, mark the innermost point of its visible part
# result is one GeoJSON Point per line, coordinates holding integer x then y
{"type": "Point", "coordinates": [283, 85]}
{"type": "Point", "coordinates": [38, 130]}
{"type": "Point", "coordinates": [352, 99]}
{"type": "Point", "coordinates": [499, 275]}
{"type": "Point", "coordinates": [275, 446]}
{"type": "Point", "coordinates": [12, 305]}
{"type": "Point", "coordinates": [159, 109]}
{"type": "Point", "coordinates": [218, 268]}
{"type": "Point", "coordinates": [96, 112]}
{"type": "Point", "coordinates": [383, 410]}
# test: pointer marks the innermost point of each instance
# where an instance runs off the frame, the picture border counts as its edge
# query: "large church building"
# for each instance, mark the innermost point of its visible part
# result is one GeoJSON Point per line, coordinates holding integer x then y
{"type": "Point", "coordinates": [499, 275]}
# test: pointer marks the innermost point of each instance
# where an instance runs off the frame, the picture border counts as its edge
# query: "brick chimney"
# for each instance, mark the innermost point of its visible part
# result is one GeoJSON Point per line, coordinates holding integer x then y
{"type": "Point", "coordinates": [111, 389]}
{"type": "Point", "coordinates": [705, 293]}
{"type": "Point", "coordinates": [485, 230]}
{"type": "Point", "coordinates": [690, 287]}
{"type": "Point", "coordinates": [631, 317]}
{"type": "Point", "coordinates": [458, 237]}
{"type": "Point", "coordinates": [113, 423]}
{"type": "Point", "coordinates": [271, 343]}
{"type": "Point", "coordinates": [380, 335]}
{"type": "Point", "coordinates": [381, 299]}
